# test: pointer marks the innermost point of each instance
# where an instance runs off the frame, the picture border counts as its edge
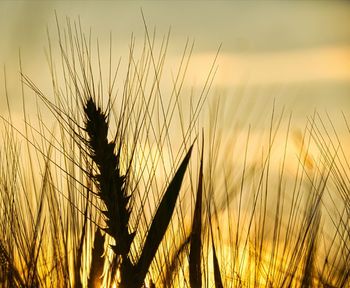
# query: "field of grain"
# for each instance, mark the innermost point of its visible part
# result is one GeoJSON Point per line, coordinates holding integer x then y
{"type": "Point", "coordinates": [119, 173]}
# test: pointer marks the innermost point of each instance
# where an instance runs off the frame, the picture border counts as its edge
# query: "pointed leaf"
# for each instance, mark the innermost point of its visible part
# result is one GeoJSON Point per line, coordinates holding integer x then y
{"type": "Point", "coordinates": [196, 241]}
{"type": "Point", "coordinates": [217, 274]}
{"type": "Point", "coordinates": [161, 220]}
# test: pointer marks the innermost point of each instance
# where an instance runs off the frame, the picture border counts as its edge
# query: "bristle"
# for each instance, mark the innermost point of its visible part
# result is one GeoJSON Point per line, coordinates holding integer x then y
{"type": "Point", "coordinates": [175, 262]}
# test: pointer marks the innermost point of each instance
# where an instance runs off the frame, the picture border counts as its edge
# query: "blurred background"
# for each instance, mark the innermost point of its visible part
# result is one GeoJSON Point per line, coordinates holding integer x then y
{"type": "Point", "coordinates": [296, 52]}
{"type": "Point", "coordinates": [291, 55]}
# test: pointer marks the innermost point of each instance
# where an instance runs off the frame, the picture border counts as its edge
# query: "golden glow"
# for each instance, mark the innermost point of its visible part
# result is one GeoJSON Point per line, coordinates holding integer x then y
{"type": "Point", "coordinates": [287, 65]}
{"type": "Point", "coordinates": [284, 67]}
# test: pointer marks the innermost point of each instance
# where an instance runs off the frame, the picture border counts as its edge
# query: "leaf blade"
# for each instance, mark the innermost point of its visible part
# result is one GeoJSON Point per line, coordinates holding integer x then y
{"type": "Point", "coordinates": [161, 220]}
{"type": "Point", "coordinates": [196, 241]}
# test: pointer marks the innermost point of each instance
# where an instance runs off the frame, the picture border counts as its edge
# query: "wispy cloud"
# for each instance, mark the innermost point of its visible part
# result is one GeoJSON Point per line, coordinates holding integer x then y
{"type": "Point", "coordinates": [286, 67]}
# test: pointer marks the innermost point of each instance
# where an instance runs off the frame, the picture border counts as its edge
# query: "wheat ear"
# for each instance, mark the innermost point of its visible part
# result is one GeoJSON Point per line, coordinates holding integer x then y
{"type": "Point", "coordinates": [110, 183]}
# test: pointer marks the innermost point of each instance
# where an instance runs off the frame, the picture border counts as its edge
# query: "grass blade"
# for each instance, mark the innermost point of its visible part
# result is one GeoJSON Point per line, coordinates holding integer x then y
{"type": "Point", "coordinates": [160, 221]}
{"type": "Point", "coordinates": [217, 274]}
{"type": "Point", "coordinates": [196, 242]}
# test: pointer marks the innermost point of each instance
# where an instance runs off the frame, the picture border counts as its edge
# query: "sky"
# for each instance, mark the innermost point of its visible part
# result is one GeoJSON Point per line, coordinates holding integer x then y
{"type": "Point", "coordinates": [294, 53]}
{"type": "Point", "coordinates": [303, 45]}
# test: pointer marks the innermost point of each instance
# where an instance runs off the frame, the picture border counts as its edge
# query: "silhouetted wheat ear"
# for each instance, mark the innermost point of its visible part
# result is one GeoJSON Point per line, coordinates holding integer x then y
{"type": "Point", "coordinates": [109, 181]}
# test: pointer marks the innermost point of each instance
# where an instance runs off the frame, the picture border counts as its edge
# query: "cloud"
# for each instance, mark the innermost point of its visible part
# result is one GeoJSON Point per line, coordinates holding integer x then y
{"type": "Point", "coordinates": [286, 67]}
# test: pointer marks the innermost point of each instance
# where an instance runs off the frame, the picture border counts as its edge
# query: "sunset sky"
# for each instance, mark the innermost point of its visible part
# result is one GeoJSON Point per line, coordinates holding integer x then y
{"type": "Point", "coordinates": [301, 45]}
{"type": "Point", "coordinates": [297, 53]}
